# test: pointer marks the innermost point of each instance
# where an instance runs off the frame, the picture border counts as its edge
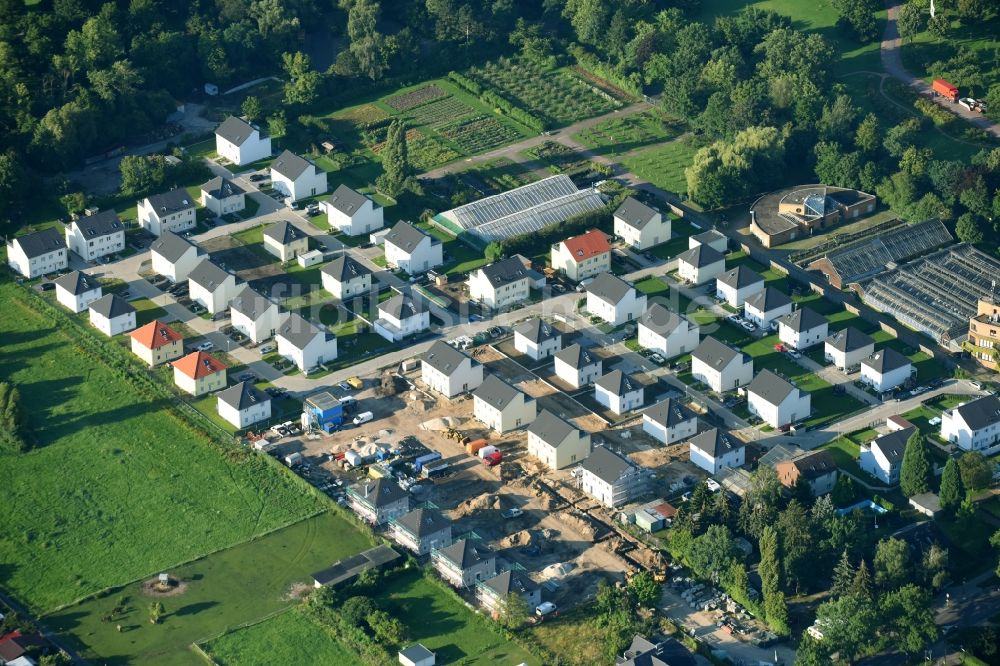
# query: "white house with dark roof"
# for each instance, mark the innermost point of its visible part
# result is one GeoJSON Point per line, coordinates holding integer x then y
{"type": "Point", "coordinates": [504, 283]}
{"type": "Point", "coordinates": [222, 196]}
{"type": "Point", "coordinates": [77, 290]}
{"type": "Point", "coordinates": [776, 400]}
{"type": "Point", "coordinates": [802, 328]}
{"type": "Point", "coordinates": [847, 348]}
{"type": "Point", "coordinates": [97, 235]}
{"type": "Point", "coordinates": [712, 238]}
{"type": "Point", "coordinates": [612, 479]}
{"type": "Point", "coordinates": [669, 421]}
{"type": "Point", "coordinates": [493, 593]}
{"type": "Point", "coordinates": [666, 332]}
{"type": "Point", "coordinates": [886, 369]}
{"type": "Point", "coordinates": [537, 338]}
{"type": "Point", "coordinates": [285, 240]}
{"type": "Point", "coordinates": [174, 257]}
{"type": "Point", "coordinates": [243, 404]}
{"type": "Point", "coordinates": [111, 314]}
{"type": "Point", "coordinates": [296, 177]}
{"type": "Point", "coordinates": [738, 284]}
{"type": "Point", "coordinates": [614, 300]}
{"type": "Point", "coordinates": [352, 213]}
{"type": "Point", "coordinates": [715, 450]}
{"type": "Point", "coordinates": [502, 407]}
{"type": "Point", "coordinates": [37, 253]}
{"type": "Point", "coordinates": [240, 142]}
{"type": "Point", "coordinates": [448, 371]}
{"type": "Point", "coordinates": [577, 366]}
{"type": "Point", "coordinates": [700, 264]}
{"type": "Point", "coordinates": [305, 344]}
{"type": "Point", "coordinates": [212, 286]}
{"type": "Point", "coordinates": [255, 316]}
{"type": "Point", "coordinates": [883, 456]}
{"type": "Point", "coordinates": [640, 226]}
{"type": "Point", "coordinates": [411, 249]}
{"type": "Point", "coordinates": [172, 211]}
{"type": "Point", "coordinates": [583, 256]}
{"type": "Point", "coordinates": [421, 530]}
{"type": "Point", "coordinates": [346, 278]}
{"type": "Point", "coordinates": [720, 366]}
{"type": "Point", "coordinates": [555, 442]}
{"type": "Point", "coordinates": [377, 501]}
{"type": "Point", "coordinates": [973, 426]}
{"type": "Point", "coordinates": [619, 392]}
{"type": "Point", "coordinates": [764, 307]}
{"type": "Point", "coordinates": [465, 563]}
{"type": "Point", "coordinates": [402, 316]}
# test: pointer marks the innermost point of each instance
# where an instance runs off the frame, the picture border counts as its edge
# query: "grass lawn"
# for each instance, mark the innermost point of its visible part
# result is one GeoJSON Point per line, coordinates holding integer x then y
{"type": "Point", "coordinates": [289, 638]}
{"type": "Point", "coordinates": [204, 148]}
{"type": "Point", "coordinates": [225, 589]}
{"type": "Point", "coordinates": [572, 636]}
{"type": "Point", "coordinates": [129, 490]}
{"type": "Point", "coordinates": [663, 165]}
{"type": "Point", "coordinates": [146, 311]}
{"type": "Point", "coordinates": [652, 286]}
{"type": "Point", "coordinates": [927, 366]}
{"type": "Point", "coordinates": [617, 136]}
{"type": "Point", "coordinates": [845, 454]}
{"type": "Point", "coordinates": [680, 229]}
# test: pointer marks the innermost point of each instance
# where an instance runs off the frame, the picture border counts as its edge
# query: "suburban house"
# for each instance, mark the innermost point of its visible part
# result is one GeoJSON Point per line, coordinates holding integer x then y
{"type": "Point", "coordinates": [614, 300]}
{"type": "Point", "coordinates": [416, 655]}
{"type": "Point", "coordinates": [305, 344]}
{"type": "Point", "coordinates": [640, 226]}
{"type": "Point", "coordinates": [577, 366]}
{"type": "Point", "coordinates": [666, 332]}
{"type": "Point", "coordinates": [494, 592]}
{"type": "Point", "coordinates": [720, 366]}
{"type": "Point", "coordinates": [212, 286]}
{"type": "Point", "coordinates": [377, 501]}
{"type": "Point", "coordinates": [174, 257]}
{"type": "Point", "coordinates": [504, 283]}
{"type": "Point", "coordinates": [421, 530]}
{"type": "Point", "coordinates": [612, 479]}
{"type": "Point", "coordinates": [537, 338]}
{"type": "Point", "coordinates": [255, 316]}
{"type": "Point", "coordinates": [199, 373]}
{"type": "Point", "coordinates": [97, 235]}
{"type": "Point", "coordinates": [973, 426]}
{"type": "Point", "coordinates": [583, 256]}
{"type": "Point", "coordinates": [502, 407]}
{"type": "Point", "coordinates": [715, 450]}
{"type": "Point", "coordinates": [885, 370]}
{"type": "Point", "coordinates": [243, 405]}
{"type": "Point", "coordinates": [322, 411]}
{"type": "Point", "coordinates": [764, 307]}
{"type": "Point", "coordinates": [296, 177]}
{"type": "Point", "coordinates": [619, 392]}
{"type": "Point", "coordinates": [555, 442]}
{"type": "Point", "coordinates": [776, 400]}
{"type": "Point", "coordinates": [352, 213]}
{"type": "Point", "coordinates": [172, 211]}
{"type": "Point", "coordinates": [77, 290]}
{"type": "Point", "coordinates": [157, 343]}
{"type": "Point", "coordinates": [285, 241]}
{"type": "Point", "coordinates": [643, 652]}
{"type": "Point", "coordinates": [37, 253]}
{"type": "Point", "coordinates": [883, 456]}
{"type": "Point", "coordinates": [465, 563]}
{"type": "Point", "coordinates": [402, 316]}
{"type": "Point", "coordinates": [711, 238]}
{"type": "Point", "coordinates": [411, 249]}
{"type": "Point", "coordinates": [111, 314]}
{"type": "Point", "coordinates": [450, 372]}
{"type": "Point", "coordinates": [847, 348]}
{"type": "Point", "coordinates": [222, 196]}
{"type": "Point", "coordinates": [669, 421]}
{"type": "Point", "coordinates": [240, 142]}
{"type": "Point", "coordinates": [738, 284]}
{"type": "Point", "coordinates": [346, 278]}
{"type": "Point", "coordinates": [803, 328]}
{"type": "Point", "coordinates": [817, 468]}
{"type": "Point", "coordinates": [700, 264]}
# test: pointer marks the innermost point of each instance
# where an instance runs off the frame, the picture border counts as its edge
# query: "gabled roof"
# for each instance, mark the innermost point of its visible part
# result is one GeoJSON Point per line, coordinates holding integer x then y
{"type": "Point", "coordinates": [235, 130]}
{"type": "Point", "coordinates": [635, 214]}
{"type": "Point", "coordinates": [662, 321]}
{"type": "Point", "coordinates": [803, 319]}
{"type": "Point", "coordinates": [416, 653]}
{"type": "Point", "coordinates": [893, 444]}
{"type": "Point", "coordinates": [284, 232]}
{"type": "Point", "coordinates": [251, 304]}
{"type": "Point", "coordinates": [377, 492]}
{"type": "Point", "coordinates": [402, 306]}
{"type": "Point", "coordinates": [99, 224]}
{"type": "Point", "coordinates": [508, 582]}
{"type": "Point", "coordinates": [172, 247]}
{"type": "Point", "coordinates": [243, 396]}
{"type": "Point", "coordinates": [168, 203]}
{"type": "Point", "coordinates": [344, 268]}
{"type": "Point", "coordinates": [716, 354]}
{"type": "Point", "coordinates": [40, 242]}
{"type": "Point", "coordinates": [155, 334]}
{"type": "Point", "coordinates": [739, 277]}
{"type": "Point", "coordinates": [208, 275]}
{"type": "Point", "coordinates": [701, 255]}
{"type": "Point", "coordinates": [507, 271]}
{"type": "Point", "coordinates": [710, 236]}
{"type": "Point", "coordinates": [772, 388]}
{"type": "Point", "coordinates": [199, 364]}
{"type": "Point", "coordinates": [406, 237]}
{"type": "Point", "coordinates": [537, 331]}
{"type": "Point", "coordinates": [886, 360]}
{"type": "Point", "coordinates": [550, 428]}
{"type": "Point", "coordinates": [849, 340]}
{"type": "Point", "coordinates": [768, 299]}
{"type": "Point", "coordinates": [423, 522]}
{"type": "Point", "coordinates": [221, 188]}
{"type": "Point", "coordinates": [495, 392]}
{"type": "Point", "coordinates": [618, 383]}
{"type": "Point", "coordinates": [814, 464]}
{"type": "Point", "coordinates": [577, 357]}
{"type": "Point", "coordinates": [290, 165]}
{"type": "Point", "coordinates": [111, 306]}
{"type": "Point", "coordinates": [981, 412]}
{"type": "Point", "coordinates": [466, 553]}
{"type": "Point", "coordinates": [607, 465]}
{"type": "Point", "coordinates": [347, 201]}
{"type": "Point", "coordinates": [609, 288]}
{"type": "Point", "coordinates": [299, 332]}
{"type": "Point", "coordinates": [716, 442]}
{"type": "Point", "coordinates": [669, 413]}
{"type": "Point", "coordinates": [587, 245]}
{"type": "Point", "coordinates": [77, 283]}
{"type": "Point", "coordinates": [444, 358]}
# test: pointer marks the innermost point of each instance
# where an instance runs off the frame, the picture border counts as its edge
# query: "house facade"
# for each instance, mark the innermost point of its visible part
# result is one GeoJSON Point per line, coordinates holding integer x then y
{"type": "Point", "coordinates": [412, 250]}
{"type": "Point", "coordinates": [738, 284]}
{"type": "Point", "coordinates": [421, 531]}
{"type": "Point", "coordinates": [296, 177]}
{"type": "Point", "coordinates": [97, 235]}
{"type": "Point", "coordinates": [669, 421]}
{"type": "Point", "coordinates": [243, 405]}
{"type": "Point", "coordinates": [172, 211]}
{"type": "Point", "coordinates": [817, 468]}
{"type": "Point", "coordinates": [503, 283]}
{"type": "Point", "coordinates": [619, 392]}
{"type": "Point", "coordinates": [377, 501]}
{"type": "Point", "coordinates": [640, 226]}
{"type": "Point", "coordinates": [255, 316]}
{"type": "Point", "coordinates": [174, 257]}
{"type": "Point", "coordinates": [577, 366]}
{"type": "Point", "coordinates": [885, 370]}
{"type": "Point", "coordinates": [700, 264]}
{"type": "Point", "coordinates": [346, 278]}
{"type": "Point", "coordinates": [38, 253]}
{"type": "Point", "coordinates": [611, 479]}
{"type": "Point", "coordinates": [720, 366]}
{"type": "Point", "coordinates": [666, 332]}
{"type": "Point", "coordinates": [883, 456]}
{"type": "Point", "coordinates": [240, 142]}
{"type": "Point", "coordinates": [401, 317]}
{"type": "Point", "coordinates": [157, 343]}
{"type": "Point", "coordinates": [777, 401]}
{"type": "Point", "coordinates": [199, 373]}
{"type": "Point", "coordinates": [715, 450]}
{"type": "Point", "coordinates": [501, 407]}
{"type": "Point", "coordinates": [555, 442]}
{"type": "Point", "coordinates": [77, 290]}
{"type": "Point", "coordinates": [222, 196]}
{"type": "Point", "coordinates": [352, 213]}
{"type": "Point", "coordinates": [465, 563]}
{"type": "Point", "coordinates": [111, 315]}
{"type": "Point", "coordinates": [765, 307]}
{"type": "Point", "coordinates": [712, 238]}
{"type": "Point", "coordinates": [583, 256]}
{"type": "Point", "coordinates": [614, 300]}
{"type": "Point", "coordinates": [450, 372]}
{"type": "Point", "coordinates": [493, 593]}
{"type": "Point", "coordinates": [847, 348]}
{"type": "Point", "coordinates": [974, 426]}
{"type": "Point", "coordinates": [305, 344]}
{"type": "Point", "coordinates": [537, 339]}
{"type": "Point", "coordinates": [212, 286]}
{"type": "Point", "coordinates": [285, 241]}
{"type": "Point", "coordinates": [802, 328]}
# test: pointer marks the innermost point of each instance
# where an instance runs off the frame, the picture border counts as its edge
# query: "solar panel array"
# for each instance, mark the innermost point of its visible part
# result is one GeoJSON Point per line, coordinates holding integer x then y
{"type": "Point", "coordinates": [857, 262]}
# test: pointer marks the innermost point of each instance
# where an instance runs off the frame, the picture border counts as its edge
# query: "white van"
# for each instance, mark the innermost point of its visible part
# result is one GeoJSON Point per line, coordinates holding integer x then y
{"type": "Point", "coordinates": [363, 417]}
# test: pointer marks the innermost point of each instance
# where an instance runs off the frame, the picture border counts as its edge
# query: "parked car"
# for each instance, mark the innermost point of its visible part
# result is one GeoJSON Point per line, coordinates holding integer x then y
{"type": "Point", "coordinates": [363, 417]}
{"type": "Point", "coordinates": [794, 354]}
{"type": "Point", "coordinates": [257, 177]}
{"type": "Point", "coordinates": [545, 608]}
{"type": "Point", "coordinates": [48, 286]}
{"type": "Point", "coordinates": [205, 346]}
{"type": "Point", "coordinates": [511, 513]}
{"type": "Point", "coordinates": [247, 377]}
{"type": "Point", "coordinates": [268, 348]}
{"type": "Point", "coordinates": [355, 383]}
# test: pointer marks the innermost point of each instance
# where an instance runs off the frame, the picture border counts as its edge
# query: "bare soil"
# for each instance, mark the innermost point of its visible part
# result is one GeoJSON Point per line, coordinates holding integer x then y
{"type": "Point", "coordinates": [151, 588]}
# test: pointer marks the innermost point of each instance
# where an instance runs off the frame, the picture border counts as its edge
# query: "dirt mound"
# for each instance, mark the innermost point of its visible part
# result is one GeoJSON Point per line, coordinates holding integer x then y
{"type": "Point", "coordinates": [480, 503]}
{"type": "Point", "coordinates": [441, 423]}
{"type": "Point", "coordinates": [176, 587]}
{"type": "Point", "coordinates": [522, 538]}
{"type": "Point", "coordinates": [579, 525]}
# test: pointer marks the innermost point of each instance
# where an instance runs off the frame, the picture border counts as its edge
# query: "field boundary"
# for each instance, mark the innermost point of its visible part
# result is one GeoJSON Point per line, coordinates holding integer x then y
{"type": "Point", "coordinates": [238, 627]}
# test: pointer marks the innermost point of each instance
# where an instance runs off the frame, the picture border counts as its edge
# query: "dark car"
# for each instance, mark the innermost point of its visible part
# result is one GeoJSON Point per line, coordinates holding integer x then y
{"type": "Point", "coordinates": [247, 376]}
{"type": "Point", "coordinates": [48, 286]}
{"type": "Point", "coordinates": [257, 177]}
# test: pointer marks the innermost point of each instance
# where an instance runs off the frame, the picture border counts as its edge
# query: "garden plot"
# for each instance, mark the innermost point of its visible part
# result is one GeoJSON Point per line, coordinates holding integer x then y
{"type": "Point", "coordinates": [425, 152]}
{"type": "Point", "coordinates": [439, 112]}
{"type": "Point", "coordinates": [415, 98]}
{"type": "Point", "coordinates": [477, 134]}
{"type": "Point", "coordinates": [663, 166]}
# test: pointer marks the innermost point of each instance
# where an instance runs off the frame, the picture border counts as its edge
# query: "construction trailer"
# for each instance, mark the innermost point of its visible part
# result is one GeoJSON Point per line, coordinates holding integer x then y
{"type": "Point", "coordinates": [945, 89]}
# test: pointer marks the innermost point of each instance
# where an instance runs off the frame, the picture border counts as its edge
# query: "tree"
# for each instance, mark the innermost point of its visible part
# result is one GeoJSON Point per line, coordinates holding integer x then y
{"type": "Point", "coordinates": [910, 20]}
{"type": "Point", "coordinates": [371, 49]}
{"type": "Point", "coordinates": [843, 576]}
{"type": "Point", "coordinates": [976, 198]}
{"type": "Point", "coordinates": [589, 19]}
{"type": "Point", "coordinates": [908, 613]}
{"type": "Point", "coordinates": [14, 435]}
{"type": "Point", "coordinates": [303, 82]}
{"type": "Point", "coordinates": [915, 472]}
{"type": "Point", "coordinates": [849, 625]}
{"type": "Point", "coordinates": [936, 566]}
{"type": "Point", "coordinates": [387, 629]}
{"type": "Point", "coordinates": [712, 552]}
{"type": "Point", "coordinates": [645, 589]}
{"type": "Point", "coordinates": [892, 563]}
{"type": "Point", "coordinates": [866, 137]}
{"type": "Point", "coordinates": [975, 470]}
{"type": "Point", "coordinates": [938, 26]}
{"type": "Point", "coordinates": [395, 160]}
{"type": "Point", "coordinates": [797, 547]}
{"type": "Point", "coordinates": [74, 202]}
{"type": "Point", "coordinates": [775, 610]}
{"type": "Point", "coordinates": [862, 585]}
{"type": "Point", "coordinates": [277, 125]}
{"type": "Point", "coordinates": [843, 493]}
{"type": "Point", "coordinates": [252, 108]}
{"type": "Point", "coordinates": [858, 16]}
{"type": "Point", "coordinates": [950, 493]}
{"type": "Point", "coordinates": [730, 170]}
{"type": "Point", "coordinates": [515, 611]}
{"type": "Point", "coordinates": [761, 502]}
{"type": "Point", "coordinates": [155, 612]}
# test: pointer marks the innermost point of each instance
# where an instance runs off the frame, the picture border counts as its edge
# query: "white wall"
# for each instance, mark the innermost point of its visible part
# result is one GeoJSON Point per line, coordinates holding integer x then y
{"type": "Point", "coordinates": [955, 430]}
{"type": "Point", "coordinates": [226, 205]}
{"type": "Point", "coordinates": [733, 375]}
{"type": "Point", "coordinates": [242, 419]}
{"type": "Point", "coordinates": [677, 433]}
{"type": "Point", "coordinates": [253, 149]}
{"type": "Point", "coordinates": [365, 220]}
{"type": "Point", "coordinates": [464, 378]}
{"type": "Point", "coordinates": [112, 327]}
{"type": "Point", "coordinates": [310, 182]}
{"type": "Point", "coordinates": [563, 260]}
{"type": "Point", "coordinates": [765, 320]}
{"type": "Point", "coordinates": [886, 382]}
{"type": "Point", "coordinates": [424, 257]}
{"type": "Point", "coordinates": [618, 404]}
{"type": "Point", "coordinates": [40, 265]}
{"type": "Point", "coordinates": [681, 340]}
{"type": "Point", "coordinates": [792, 409]}
{"type": "Point", "coordinates": [78, 302]}
{"type": "Point", "coordinates": [95, 247]}
{"type": "Point", "coordinates": [518, 413]}
{"type": "Point", "coordinates": [175, 222]}
{"type": "Point", "coordinates": [691, 273]}
{"type": "Point", "coordinates": [537, 352]}
{"type": "Point", "coordinates": [802, 339]}
{"type": "Point", "coordinates": [713, 466]}
{"type": "Point", "coordinates": [737, 297]}
{"type": "Point", "coordinates": [215, 300]}
{"type": "Point", "coordinates": [179, 270]}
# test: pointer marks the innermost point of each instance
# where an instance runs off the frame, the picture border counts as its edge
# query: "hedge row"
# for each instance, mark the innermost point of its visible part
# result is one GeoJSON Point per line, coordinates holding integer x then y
{"type": "Point", "coordinates": [591, 63]}
{"type": "Point", "coordinates": [498, 102]}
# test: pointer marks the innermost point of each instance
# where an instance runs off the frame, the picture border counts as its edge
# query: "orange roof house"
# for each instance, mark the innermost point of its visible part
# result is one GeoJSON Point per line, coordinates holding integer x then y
{"type": "Point", "coordinates": [157, 343]}
{"type": "Point", "coordinates": [588, 245]}
{"type": "Point", "coordinates": [199, 373]}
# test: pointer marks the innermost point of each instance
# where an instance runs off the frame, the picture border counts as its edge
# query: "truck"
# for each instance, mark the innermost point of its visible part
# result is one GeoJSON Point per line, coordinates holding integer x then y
{"type": "Point", "coordinates": [486, 450]}
{"type": "Point", "coordinates": [419, 463]}
{"type": "Point", "coordinates": [945, 89]}
{"type": "Point", "coordinates": [475, 445]}
{"type": "Point", "coordinates": [293, 459]}
{"type": "Point", "coordinates": [493, 459]}
{"type": "Point", "coordinates": [435, 470]}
